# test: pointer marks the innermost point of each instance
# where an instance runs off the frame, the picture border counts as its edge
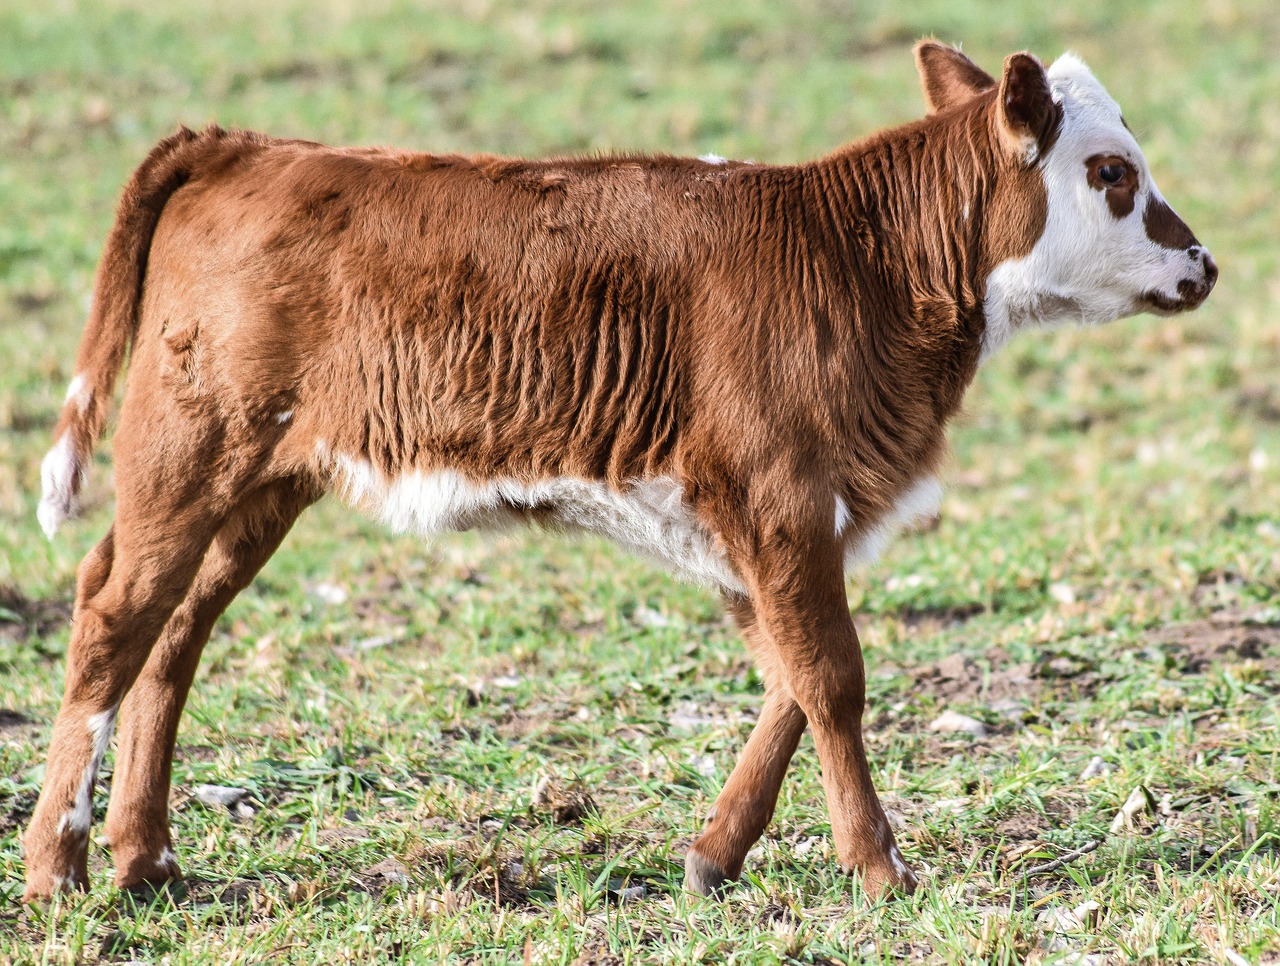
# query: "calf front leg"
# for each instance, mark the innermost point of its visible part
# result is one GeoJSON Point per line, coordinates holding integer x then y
{"type": "Point", "coordinates": [796, 577]}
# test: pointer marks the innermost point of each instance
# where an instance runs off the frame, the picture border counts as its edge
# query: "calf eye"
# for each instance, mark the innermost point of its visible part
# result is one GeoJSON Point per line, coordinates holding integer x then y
{"type": "Point", "coordinates": [1111, 174]}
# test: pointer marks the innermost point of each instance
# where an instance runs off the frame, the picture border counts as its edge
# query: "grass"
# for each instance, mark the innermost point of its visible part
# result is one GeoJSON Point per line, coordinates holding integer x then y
{"type": "Point", "coordinates": [491, 751]}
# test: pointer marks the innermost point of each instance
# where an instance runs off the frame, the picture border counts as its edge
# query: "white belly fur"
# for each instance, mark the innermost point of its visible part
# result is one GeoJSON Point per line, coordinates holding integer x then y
{"type": "Point", "coordinates": [650, 518]}
{"type": "Point", "coordinates": [920, 501]}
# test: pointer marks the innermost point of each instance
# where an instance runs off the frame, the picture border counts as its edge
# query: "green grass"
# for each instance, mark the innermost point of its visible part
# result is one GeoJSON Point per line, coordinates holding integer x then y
{"type": "Point", "coordinates": [1107, 565]}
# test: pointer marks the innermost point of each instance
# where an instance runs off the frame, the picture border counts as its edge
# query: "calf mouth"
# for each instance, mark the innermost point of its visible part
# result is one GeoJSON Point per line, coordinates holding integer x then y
{"type": "Point", "coordinates": [1191, 295]}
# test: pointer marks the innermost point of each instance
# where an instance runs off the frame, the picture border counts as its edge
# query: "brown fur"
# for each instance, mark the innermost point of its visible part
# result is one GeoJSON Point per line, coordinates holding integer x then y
{"type": "Point", "coordinates": [771, 337]}
{"type": "Point", "coordinates": [1120, 197]}
{"type": "Point", "coordinates": [1164, 227]}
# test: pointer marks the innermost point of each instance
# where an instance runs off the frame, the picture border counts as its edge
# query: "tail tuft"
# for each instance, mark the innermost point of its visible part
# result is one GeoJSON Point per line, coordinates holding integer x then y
{"type": "Point", "coordinates": [61, 475]}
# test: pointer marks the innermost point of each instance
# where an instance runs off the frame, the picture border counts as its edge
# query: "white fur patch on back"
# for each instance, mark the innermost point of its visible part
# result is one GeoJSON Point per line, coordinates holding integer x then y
{"type": "Point", "coordinates": [60, 477]}
{"type": "Point", "coordinates": [650, 517]}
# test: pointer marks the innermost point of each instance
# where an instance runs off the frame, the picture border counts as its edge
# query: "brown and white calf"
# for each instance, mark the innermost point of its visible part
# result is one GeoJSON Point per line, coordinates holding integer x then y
{"type": "Point", "coordinates": [742, 370]}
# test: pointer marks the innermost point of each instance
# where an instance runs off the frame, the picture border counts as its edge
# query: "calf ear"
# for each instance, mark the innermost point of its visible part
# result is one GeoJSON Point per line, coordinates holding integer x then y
{"type": "Point", "coordinates": [948, 76]}
{"type": "Point", "coordinates": [1029, 116]}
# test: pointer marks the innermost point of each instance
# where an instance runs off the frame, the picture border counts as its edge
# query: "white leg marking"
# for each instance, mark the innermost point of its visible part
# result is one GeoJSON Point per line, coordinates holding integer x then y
{"type": "Point", "coordinates": [284, 417]}
{"type": "Point", "coordinates": [899, 866]}
{"type": "Point", "coordinates": [76, 821]}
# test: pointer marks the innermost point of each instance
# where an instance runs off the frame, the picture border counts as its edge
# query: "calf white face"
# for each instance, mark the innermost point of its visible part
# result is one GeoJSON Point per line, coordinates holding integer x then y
{"type": "Point", "coordinates": [1111, 246]}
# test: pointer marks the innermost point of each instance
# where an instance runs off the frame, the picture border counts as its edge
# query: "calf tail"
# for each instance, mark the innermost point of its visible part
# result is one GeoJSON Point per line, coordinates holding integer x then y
{"type": "Point", "coordinates": [113, 320]}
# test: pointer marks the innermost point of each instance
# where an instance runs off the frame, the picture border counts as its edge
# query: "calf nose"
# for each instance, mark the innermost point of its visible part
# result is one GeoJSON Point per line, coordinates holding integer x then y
{"type": "Point", "coordinates": [1210, 268]}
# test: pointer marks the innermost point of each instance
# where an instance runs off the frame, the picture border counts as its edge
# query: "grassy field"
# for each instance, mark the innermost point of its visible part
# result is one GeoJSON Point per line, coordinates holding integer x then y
{"type": "Point", "coordinates": [495, 750]}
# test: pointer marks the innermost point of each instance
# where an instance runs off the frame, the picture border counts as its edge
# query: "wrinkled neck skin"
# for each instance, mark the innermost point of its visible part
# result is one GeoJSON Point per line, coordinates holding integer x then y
{"type": "Point", "coordinates": [931, 209]}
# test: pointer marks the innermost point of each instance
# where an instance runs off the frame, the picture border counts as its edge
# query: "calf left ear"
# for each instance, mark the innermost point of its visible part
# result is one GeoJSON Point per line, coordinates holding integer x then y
{"type": "Point", "coordinates": [948, 76]}
{"type": "Point", "coordinates": [1029, 116]}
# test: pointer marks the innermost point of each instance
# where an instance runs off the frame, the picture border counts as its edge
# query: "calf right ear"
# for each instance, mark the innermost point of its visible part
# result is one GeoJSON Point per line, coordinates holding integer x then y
{"type": "Point", "coordinates": [1028, 113]}
{"type": "Point", "coordinates": [948, 76]}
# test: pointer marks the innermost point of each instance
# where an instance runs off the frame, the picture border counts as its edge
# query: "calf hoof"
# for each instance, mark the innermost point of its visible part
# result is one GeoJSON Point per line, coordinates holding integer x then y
{"type": "Point", "coordinates": [886, 879]}
{"type": "Point", "coordinates": [43, 886]}
{"type": "Point", "coordinates": [704, 877]}
{"type": "Point", "coordinates": [142, 870]}
{"type": "Point", "coordinates": [54, 867]}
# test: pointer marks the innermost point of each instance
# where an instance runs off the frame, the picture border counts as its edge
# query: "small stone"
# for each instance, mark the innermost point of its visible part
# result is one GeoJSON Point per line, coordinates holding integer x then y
{"type": "Point", "coordinates": [226, 796]}
{"type": "Point", "coordinates": [1079, 919]}
{"type": "Point", "coordinates": [330, 594]}
{"type": "Point", "coordinates": [692, 717]}
{"type": "Point", "coordinates": [704, 765]}
{"type": "Point", "coordinates": [1015, 712]}
{"type": "Point", "coordinates": [952, 722]}
{"type": "Point", "coordinates": [1096, 768]}
{"type": "Point", "coordinates": [805, 845]}
{"type": "Point", "coordinates": [1062, 593]}
{"type": "Point", "coordinates": [543, 792]}
{"type": "Point", "coordinates": [1139, 802]}
{"type": "Point", "coordinates": [631, 894]}
{"type": "Point", "coordinates": [390, 871]}
{"type": "Point", "coordinates": [648, 617]}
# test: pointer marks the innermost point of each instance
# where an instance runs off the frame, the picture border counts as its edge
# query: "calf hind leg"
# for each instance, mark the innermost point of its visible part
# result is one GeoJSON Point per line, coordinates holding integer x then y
{"type": "Point", "coordinates": [128, 587]}
{"type": "Point", "coordinates": [745, 805]}
{"type": "Point", "coordinates": [138, 817]}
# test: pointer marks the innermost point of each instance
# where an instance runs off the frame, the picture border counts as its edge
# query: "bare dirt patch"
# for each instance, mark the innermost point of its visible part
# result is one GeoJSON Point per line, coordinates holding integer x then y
{"type": "Point", "coordinates": [22, 617]}
{"type": "Point", "coordinates": [958, 678]}
{"type": "Point", "coordinates": [993, 678]}
{"type": "Point", "coordinates": [934, 619]}
{"type": "Point", "coordinates": [1197, 646]}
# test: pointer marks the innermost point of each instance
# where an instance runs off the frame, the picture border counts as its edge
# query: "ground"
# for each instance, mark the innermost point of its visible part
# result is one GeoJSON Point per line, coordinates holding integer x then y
{"type": "Point", "coordinates": [496, 750]}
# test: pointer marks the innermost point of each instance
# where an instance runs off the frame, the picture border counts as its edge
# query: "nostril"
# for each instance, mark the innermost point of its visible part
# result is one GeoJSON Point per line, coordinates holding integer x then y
{"type": "Point", "coordinates": [1210, 268]}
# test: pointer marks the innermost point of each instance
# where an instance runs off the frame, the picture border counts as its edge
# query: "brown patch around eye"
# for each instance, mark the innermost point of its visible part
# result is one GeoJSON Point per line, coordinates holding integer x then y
{"type": "Point", "coordinates": [1120, 196]}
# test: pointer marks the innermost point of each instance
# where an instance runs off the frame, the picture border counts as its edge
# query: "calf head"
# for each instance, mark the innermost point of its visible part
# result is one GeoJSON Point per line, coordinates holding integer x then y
{"type": "Point", "coordinates": [1110, 245]}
